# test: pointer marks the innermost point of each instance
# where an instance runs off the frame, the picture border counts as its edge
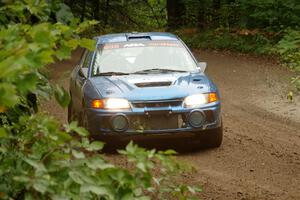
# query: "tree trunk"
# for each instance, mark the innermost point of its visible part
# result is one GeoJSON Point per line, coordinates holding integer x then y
{"type": "Point", "coordinates": [83, 11]}
{"type": "Point", "coordinates": [216, 5]}
{"type": "Point", "coordinates": [175, 13]}
{"type": "Point", "coordinates": [106, 12]}
{"type": "Point", "coordinates": [96, 5]}
{"type": "Point", "coordinates": [202, 23]}
{"type": "Point", "coordinates": [70, 4]}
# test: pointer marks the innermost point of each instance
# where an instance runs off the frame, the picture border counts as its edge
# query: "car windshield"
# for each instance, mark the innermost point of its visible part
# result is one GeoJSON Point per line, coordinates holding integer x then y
{"type": "Point", "coordinates": [142, 57]}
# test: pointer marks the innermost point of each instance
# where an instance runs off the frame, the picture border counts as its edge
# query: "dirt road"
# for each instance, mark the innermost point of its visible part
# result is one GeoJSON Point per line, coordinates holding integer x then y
{"type": "Point", "coordinates": [260, 155]}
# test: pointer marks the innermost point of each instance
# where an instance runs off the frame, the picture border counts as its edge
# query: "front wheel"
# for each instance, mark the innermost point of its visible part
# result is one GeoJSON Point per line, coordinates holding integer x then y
{"type": "Point", "coordinates": [212, 138]}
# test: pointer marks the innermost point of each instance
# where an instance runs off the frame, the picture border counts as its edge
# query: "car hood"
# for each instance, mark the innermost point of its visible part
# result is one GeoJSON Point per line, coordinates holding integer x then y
{"type": "Point", "coordinates": [151, 86]}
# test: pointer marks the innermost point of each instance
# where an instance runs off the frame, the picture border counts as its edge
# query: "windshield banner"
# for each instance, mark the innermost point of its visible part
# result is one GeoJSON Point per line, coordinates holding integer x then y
{"type": "Point", "coordinates": [142, 44]}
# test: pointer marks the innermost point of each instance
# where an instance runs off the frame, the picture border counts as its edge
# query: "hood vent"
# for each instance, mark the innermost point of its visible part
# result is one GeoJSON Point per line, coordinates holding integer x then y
{"type": "Point", "coordinates": [154, 84]}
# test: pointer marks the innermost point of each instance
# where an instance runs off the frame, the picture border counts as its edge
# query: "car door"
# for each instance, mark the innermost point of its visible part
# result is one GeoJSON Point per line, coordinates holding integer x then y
{"type": "Point", "coordinates": [81, 77]}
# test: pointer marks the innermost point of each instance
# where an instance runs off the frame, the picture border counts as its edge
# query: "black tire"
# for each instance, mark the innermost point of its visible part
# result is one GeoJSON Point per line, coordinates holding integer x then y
{"type": "Point", "coordinates": [212, 138]}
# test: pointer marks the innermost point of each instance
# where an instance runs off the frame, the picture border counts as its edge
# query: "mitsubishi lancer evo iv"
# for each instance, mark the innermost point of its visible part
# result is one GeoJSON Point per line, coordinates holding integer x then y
{"type": "Point", "coordinates": [144, 84]}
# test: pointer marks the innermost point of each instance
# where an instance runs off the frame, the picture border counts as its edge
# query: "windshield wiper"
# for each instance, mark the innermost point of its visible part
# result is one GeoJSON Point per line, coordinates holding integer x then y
{"type": "Point", "coordinates": [111, 74]}
{"type": "Point", "coordinates": [157, 70]}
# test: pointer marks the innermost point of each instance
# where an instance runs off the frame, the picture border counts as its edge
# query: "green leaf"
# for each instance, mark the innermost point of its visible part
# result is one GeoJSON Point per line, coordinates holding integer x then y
{"type": "Point", "coordinates": [85, 25]}
{"type": "Point", "coordinates": [64, 14]}
{"type": "Point", "coordinates": [40, 34]}
{"type": "Point", "coordinates": [73, 126]}
{"type": "Point", "coordinates": [76, 177]}
{"type": "Point", "coordinates": [36, 164]}
{"type": "Point", "coordinates": [78, 154]}
{"type": "Point", "coordinates": [23, 179]}
{"type": "Point", "coordinates": [98, 190]}
{"type": "Point", "coordinates": [131, 148]}
{"type": "Point", "coordinates": [170, 152]}
{"type": "Point", "coordinates": [88, 44]}
{"type": "Point", "coordinates": [8, 97]}
{"type": "Point", "coordinates": [3, 133]}
{"type": "Point", "coordinates": [128, 196]}
{"type": "Point", "coordinates": [81, 131]}
{"type": "Point", "coordinates": [60, 197]}
{"type": "Point", "coordinates": [142, 166]}
{"type": "Point", "coordinates": [143, 198]}
{"type": "Point", "coordinates": [41, 186]}
{"type": "Point", "coordinates": [95, 146]}
{"type": "Point", "coordinates": [72, 43]}
{"type": "Point", "coordinates": [28, 82]}
{"type": "Point", "coordinates": [62, 96]}
{"type": "Point", "coordinates": [96, 162]}
{"type": "Point", "coordinates": [64, 52]}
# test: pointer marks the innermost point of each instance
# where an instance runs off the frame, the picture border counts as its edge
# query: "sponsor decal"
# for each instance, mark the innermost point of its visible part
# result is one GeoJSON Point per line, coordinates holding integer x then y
{"type": "Point", "coordinates": [111, 46]}
{"type": "Point", "coordinates": [152, 79]}
{"type": "Point", "coordinates": [134, 45]}
{"type": "Point", "coordinates": [142, 44]}
{"type": "Point", "coordinates": [164, 44]}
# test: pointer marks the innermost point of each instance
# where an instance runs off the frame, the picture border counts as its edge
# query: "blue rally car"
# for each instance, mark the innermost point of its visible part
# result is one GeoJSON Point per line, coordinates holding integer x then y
{"type": "Point", "coordinates": [145, 85]}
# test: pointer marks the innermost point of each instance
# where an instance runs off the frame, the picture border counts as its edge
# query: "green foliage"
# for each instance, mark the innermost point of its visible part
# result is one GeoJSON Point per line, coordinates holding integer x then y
{"type": "Point", "coordinates": [25, 49]}
{"type": "Point", "coordinates": [247, 41]}
{"type": "Point", "coordinates": [39, 157]}
{"type": "Point", "coordinates": [222, 39]}
{"type": "Point", "coordinates": [296, 82]}
{"type": "Point", "coordinates": [39, 160]}
{"type": "Point", "coordinates": [116, 16]}
{"type": "Point", "coordinates": [62, 96]}
{"type": "Point", "coordinates": [276, 14]}
{"type": "Point", "coordinates": [243, 14]}
{"type": "Point", "coordinates": [289, 50]}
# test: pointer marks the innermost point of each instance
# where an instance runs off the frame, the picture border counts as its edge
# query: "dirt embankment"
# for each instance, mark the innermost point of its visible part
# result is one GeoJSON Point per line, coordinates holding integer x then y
{"type": "Point", "coordinates": [260, 155]}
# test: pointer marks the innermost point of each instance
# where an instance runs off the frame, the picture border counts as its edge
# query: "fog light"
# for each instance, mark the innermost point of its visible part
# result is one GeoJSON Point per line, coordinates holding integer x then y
{"type": "Point", "coordinates": [196, 118]}
{"type": "Point", "coordinates": [119, 123]}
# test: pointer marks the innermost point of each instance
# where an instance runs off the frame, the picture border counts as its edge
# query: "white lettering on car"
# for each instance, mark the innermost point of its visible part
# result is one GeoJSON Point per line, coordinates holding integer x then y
{"type": "Point", "coordinates": [134, 45]}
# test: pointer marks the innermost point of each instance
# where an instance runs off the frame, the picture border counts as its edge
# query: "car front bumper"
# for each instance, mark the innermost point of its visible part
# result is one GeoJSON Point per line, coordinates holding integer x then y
{"type": "Point", "coordinates": [154, 121]}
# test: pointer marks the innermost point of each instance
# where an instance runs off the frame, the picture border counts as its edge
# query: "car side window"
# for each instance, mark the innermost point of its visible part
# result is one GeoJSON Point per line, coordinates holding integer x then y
{"type": "Point", "coordinates": [83, 56]}
{"type": "Point", "coordinates": [85, 62]}
{"type": "Point", "coordinates": [87, 59]}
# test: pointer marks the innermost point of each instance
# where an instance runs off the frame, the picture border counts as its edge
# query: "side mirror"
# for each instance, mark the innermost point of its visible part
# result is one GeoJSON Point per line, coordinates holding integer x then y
{"type": "Point", "coordinates": [202, 66]}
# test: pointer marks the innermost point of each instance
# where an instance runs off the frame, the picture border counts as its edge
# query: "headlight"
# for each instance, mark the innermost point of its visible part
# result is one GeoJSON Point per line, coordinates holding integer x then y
{"type": "Point", "coordinates": [200, 99]}
{"type": "Point", "coordinates": [111, 104]}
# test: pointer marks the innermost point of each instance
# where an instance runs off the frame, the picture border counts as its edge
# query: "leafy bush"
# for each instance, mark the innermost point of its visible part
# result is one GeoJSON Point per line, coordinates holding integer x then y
{"type": "Point", "coordinates": [289, 50]}
{"type": "Point", "coordinates": [223, 39]}
{"type": "Point", "coordinates": [39, 159]}
{"type": "Point", "coordinates": [272, 14]}
{"type": "Point", "coordinates": [286, 44]}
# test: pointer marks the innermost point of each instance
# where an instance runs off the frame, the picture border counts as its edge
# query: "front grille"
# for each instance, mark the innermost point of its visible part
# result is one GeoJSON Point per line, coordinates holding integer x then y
{"type": "Point", "coordinates": [154, 84]}
{"type": "Point", "coordinates": [154, 122]}
{"type": "Point", "coordinates": [157, 121]}
{"type": "Point", "coordinates": [157, 104]}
